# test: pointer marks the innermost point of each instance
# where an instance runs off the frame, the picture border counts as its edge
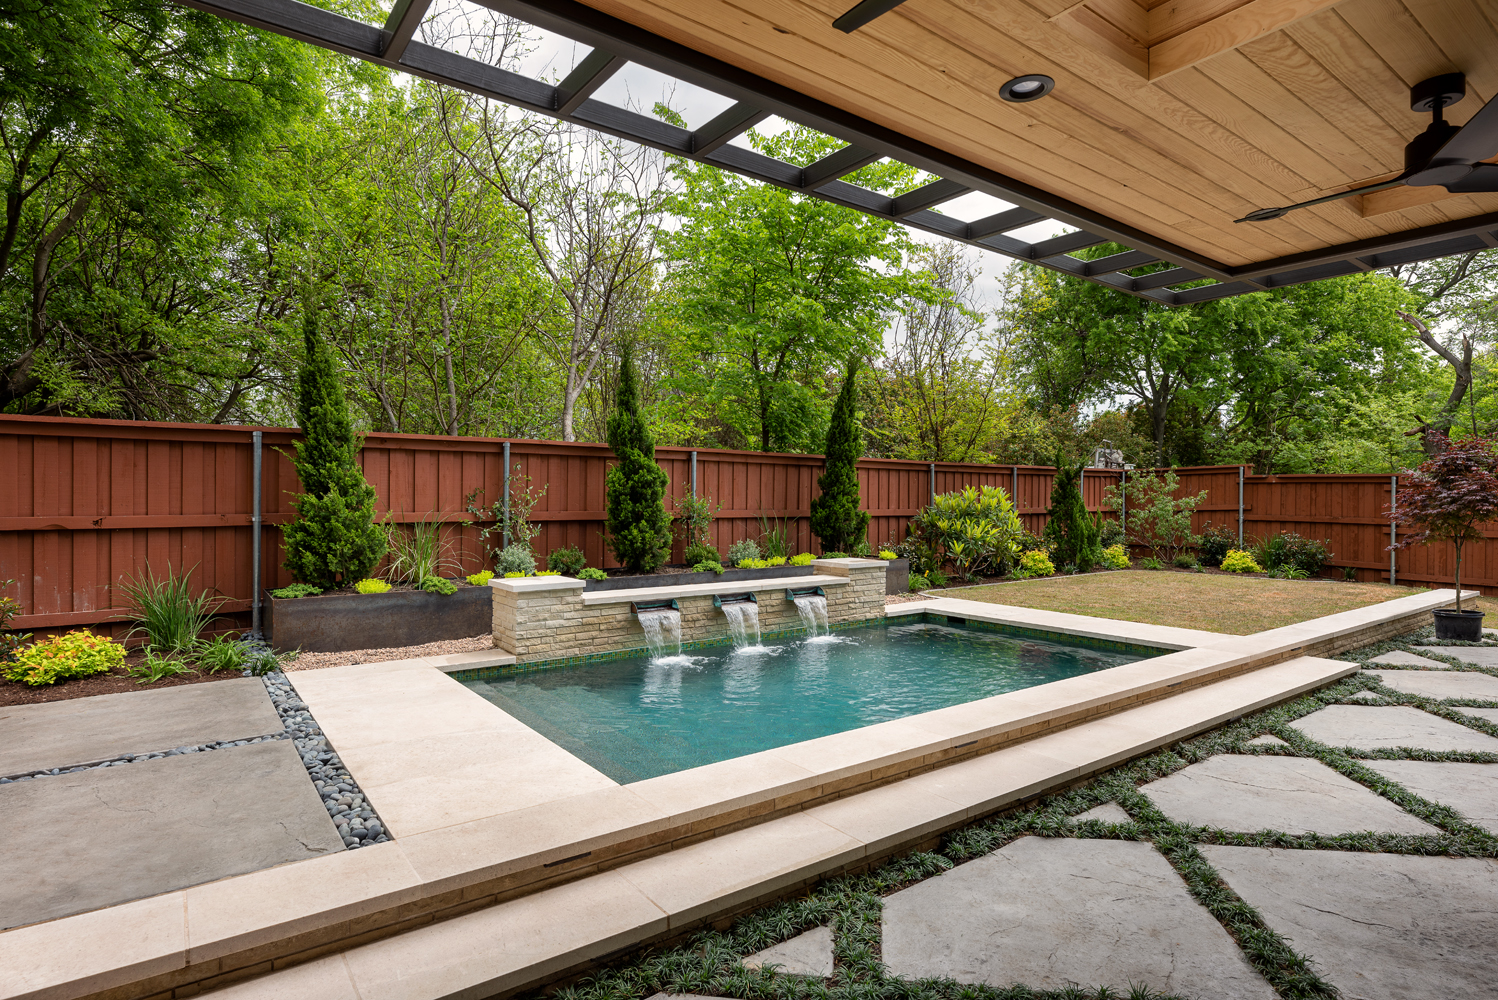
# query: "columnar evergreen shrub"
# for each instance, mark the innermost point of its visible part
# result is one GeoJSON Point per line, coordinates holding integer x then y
{"type": "Point", "coordinates": [835, 517]}
{"type": "Point", "coordinates": [1073, 533]}
{"type": "Point", "coordinates": [637, 522]}
{"type": "Point", "coordinates": [335, 537]}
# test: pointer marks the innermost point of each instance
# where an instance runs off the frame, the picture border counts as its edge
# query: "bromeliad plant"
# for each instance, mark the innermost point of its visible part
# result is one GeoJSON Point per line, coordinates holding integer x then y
{"type": "Point", "coordinates": [1450, 498]}
{"type": "Point", "coordinates": [975, 529]}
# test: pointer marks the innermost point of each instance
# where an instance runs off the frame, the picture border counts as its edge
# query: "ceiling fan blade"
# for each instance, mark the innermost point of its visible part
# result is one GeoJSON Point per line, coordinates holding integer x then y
{"type": "Point", "coordinates": [1475, 141]}
{"type": "Point", "coordinates": [1484, 177]}
{"type": "Point", "coordinates": [1265, 214]}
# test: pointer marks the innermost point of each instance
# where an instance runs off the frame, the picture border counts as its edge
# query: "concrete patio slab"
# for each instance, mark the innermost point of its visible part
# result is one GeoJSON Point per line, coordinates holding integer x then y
{"type": "Point", "coordinates": [1267, 740]}
{"type": "Point", "coordinates": [1482, 656]}
{"type": "Point", "coordinates": [1108, 812]}
{"type": "Point", "coordinates": [1293, 794]}
{"type": "Point", "coordinates": [1375, 728]}
{"type": "Point", "coordinates": [1378, 926]}
{"type": "Point", "coordinates": [1441, 683]}
{"type": "Point", "coordinates": [88, 730]}
{"type": "Point", "coordinates": [116, 834]}
{"type": "Point", "coordinates": [1401, 657]}
{"type": "Point", "coordinates": [1470, 789]}
{"type": "Point", "coordinates": [808, 954]}
{"type": "Point", "coordinates": [1053, 912]}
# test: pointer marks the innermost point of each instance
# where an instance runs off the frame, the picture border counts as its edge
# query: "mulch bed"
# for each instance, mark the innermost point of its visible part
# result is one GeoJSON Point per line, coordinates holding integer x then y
{"type": "Point", "coordinates": [114, 682]}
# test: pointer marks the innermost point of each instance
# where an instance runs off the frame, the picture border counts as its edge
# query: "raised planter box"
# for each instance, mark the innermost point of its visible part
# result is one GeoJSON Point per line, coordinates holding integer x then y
{"type": "Point", "coordinates": [683, 579]}
{"type": "Point", "coordinates": [897, 577]}
{"type": "Point", "coordinates": [337, 622]}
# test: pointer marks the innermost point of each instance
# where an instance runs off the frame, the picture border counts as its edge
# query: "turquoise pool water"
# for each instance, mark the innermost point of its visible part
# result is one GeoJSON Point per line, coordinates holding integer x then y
{"type": "Point", "coordinates": [638, 718]}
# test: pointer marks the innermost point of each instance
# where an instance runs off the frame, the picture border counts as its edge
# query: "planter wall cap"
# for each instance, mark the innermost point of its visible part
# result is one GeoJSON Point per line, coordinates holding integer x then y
{"type": "Point", "coordinates": [850, 562]}
{"type": "Point", "coordinates": [530, 584]}
{"type": "Point", "coordinates": [710, 589]}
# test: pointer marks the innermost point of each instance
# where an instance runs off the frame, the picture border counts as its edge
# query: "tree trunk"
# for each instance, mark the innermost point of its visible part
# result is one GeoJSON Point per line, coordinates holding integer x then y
{"type": "Point", "coordinates": [1458, 577]}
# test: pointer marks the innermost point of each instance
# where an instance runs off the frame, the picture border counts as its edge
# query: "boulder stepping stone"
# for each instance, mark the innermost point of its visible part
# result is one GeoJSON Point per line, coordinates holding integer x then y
{"type": "Point", "coordinates": [1441, 683]}
{"type": "Point", "coordinates": [808, 954]}
{"type": "Point", "coordinates": [1482, 656]}
{"type": "Point", "coordinates": [1267, 740]}
{"type": "Point", "coordinates": [1470, 789]}
{"type": "Point", "coordinates": [1375, 728]}
{"type": "Point", "coordinates": [1108, 812]}
{"type": "Point", "coordinates": [1399, 656]}
{"type": "Point", "coordinates": [1051, 912]}
{"type": "Point", "coordinates": [1377, 926]}
{"type": "Point", "coordinates": [1246, 793]}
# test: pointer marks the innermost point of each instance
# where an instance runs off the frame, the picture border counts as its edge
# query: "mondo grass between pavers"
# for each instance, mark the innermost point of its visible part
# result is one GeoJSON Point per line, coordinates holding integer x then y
{"type": "Point", "coordinates": [710, 963]}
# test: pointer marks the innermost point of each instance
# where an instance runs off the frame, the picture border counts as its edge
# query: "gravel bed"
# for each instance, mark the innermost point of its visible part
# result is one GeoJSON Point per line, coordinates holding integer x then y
{"type": "Point", "coordinates": [906, 598]}
{"type": "Point", "coordinates": [314, 661]}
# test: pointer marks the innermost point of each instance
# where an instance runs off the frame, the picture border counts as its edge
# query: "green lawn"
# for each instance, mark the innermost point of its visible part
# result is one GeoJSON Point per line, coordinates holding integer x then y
{"type": "Point", "coordinates": [1214, 602]}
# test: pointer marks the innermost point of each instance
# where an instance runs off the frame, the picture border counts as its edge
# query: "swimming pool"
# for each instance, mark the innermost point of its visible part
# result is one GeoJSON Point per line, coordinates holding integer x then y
{"type": "Point", "coordinates": [637, 718]}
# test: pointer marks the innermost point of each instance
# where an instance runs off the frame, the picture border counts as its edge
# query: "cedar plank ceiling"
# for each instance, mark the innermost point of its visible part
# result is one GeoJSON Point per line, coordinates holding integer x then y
{"type": "Point", "coordinates": [1253, 104]}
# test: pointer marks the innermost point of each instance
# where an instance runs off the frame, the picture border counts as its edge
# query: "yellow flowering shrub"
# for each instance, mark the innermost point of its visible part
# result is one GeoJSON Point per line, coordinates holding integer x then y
{"type": "Point", "coordinates": [63, 657]}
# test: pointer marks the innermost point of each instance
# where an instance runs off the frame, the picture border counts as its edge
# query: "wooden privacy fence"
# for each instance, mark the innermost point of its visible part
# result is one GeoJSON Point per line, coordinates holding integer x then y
{"type": "Point", "coordinates": [85, 504]}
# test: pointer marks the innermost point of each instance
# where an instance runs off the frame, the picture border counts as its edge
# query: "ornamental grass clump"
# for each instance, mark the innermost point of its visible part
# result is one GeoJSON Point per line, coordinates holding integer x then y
{"type": "Point", "coordinates": [835, 515]}
{"type": "Point", "coordinates": [64, 657]}
{"type": "Point", "coordinates": [1449, 498]}
{"type": "Point", "coordinates": [636, 520]}
{"type": "Point", "coordinates": [167, 612]}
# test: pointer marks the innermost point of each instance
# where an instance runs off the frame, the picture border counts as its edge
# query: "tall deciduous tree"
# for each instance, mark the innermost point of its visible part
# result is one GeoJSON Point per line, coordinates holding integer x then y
{"type": "Point", "coordinates": [1450, 497]}
{"type": "Point", "coordinates": [835, 515]}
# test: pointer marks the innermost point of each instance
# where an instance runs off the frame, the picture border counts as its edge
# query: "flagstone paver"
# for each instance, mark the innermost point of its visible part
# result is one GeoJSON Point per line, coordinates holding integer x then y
{"type": "Point", "coordinates": [1399, 656]}
{"type": "Point", "coordinates": [1441, 683]}
{"type": "Point", "coordinates": [80, 841]}
{"type": "Point", "coordinates": [1267, 740]}
{"type": "Point", "coordinates": [1290, 794]}
{"type": "Point", "coordinates": [1108, 812]}
{"type": "Point", "coordinates": [808, 954]}
{"type": "Point", "coordinates": [1378, 926]}
{"type": "Point", "coordinates": [1490, 714]}
{"type": "Point", "coordinates": [1470, 789]}
{"type": "Point", "coordinates": [1482, 656]}
{"type": "Point", "coordinates": [1052, 912]}
{"type": "Point", "coordinates": [84, 730]}
{"type": "Point", "coordinates": [1372, 728]}
{"type": "Point", "coordinates": [1364, 696]}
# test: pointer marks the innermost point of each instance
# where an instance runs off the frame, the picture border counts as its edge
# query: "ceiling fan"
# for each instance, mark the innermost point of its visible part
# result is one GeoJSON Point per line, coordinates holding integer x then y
{"type": "Point", "coordinates": [1444, 155]}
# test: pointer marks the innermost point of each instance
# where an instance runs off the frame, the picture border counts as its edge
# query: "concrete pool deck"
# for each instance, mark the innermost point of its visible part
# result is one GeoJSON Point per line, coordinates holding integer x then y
{"type": "Point", "coordinates": [501, 834]}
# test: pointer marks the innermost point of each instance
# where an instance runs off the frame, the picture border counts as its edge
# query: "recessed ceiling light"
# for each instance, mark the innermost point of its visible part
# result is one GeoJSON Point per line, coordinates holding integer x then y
{"type": "Point", "coordinates": [1027, 88]}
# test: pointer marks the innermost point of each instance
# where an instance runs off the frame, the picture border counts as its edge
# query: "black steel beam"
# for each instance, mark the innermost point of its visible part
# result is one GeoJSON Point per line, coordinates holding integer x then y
{"type": "Point", "coordinates": [926, 196]}
{"type": "Point", "coordinates": [864, 12]}
{"type": "Point", "coordinates": [834, 165]}
{"type": "Point", "coordinates": [587, 76]}
{"type": "Point", "coordinates": [1014, 218]}
{"type": "Point", "coordinates": [1126, 261]}
{"type": "Point", "coordinates": [733, 122]}
{"type": "Point", "coordinates": [400, 27]}
{"type": "Point", "coordinates": [1056, 246]}
{"type": "Point", "coordinates": [1161, 279]}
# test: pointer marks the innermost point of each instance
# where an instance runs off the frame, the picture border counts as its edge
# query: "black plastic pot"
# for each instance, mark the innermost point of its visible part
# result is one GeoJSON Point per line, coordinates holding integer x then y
{"type": "Point", "coordinates": [1459, 625]}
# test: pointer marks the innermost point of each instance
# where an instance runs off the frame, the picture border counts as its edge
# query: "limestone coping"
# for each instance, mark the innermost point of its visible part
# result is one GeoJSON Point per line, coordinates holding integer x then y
{"type": "Point", "coordinates": [709, 589]}
{"type": "Point", "coordinates": [852, 563]}
{"type": "Point", "coordinates": [531, 584]}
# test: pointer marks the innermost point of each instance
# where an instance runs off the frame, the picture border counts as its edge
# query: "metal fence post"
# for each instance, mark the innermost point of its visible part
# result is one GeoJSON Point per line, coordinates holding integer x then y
{"type": "Point", "coordinates": [1393, 529]}
{"type": "Point", "coordinates": [694, 475]}
{"type": "Point", "coordinates": [933, 483]}
{"type": "Point", "coordinates": [1014, 487]}
{"type": "Point", "coordinates": [507, 495]}
{"type": "Point", "coordinates": [1240, 506]}
{"type": "Point", "coordinates": [1123, 505]}
{"type": "Point", "coordinates": [255, 441]}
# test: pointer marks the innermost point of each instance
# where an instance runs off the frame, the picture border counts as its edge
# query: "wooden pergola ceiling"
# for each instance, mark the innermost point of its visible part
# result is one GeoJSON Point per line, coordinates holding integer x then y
{"type": "Point", "coordinates": [1169, 118]}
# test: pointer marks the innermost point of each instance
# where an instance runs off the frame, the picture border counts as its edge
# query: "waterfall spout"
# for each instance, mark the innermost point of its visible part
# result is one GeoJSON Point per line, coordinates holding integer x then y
{"type": "Point", "coordinates": [743, 623]}
{"type": "Point", "coordinates": [813, 611]}
{"type": "Point", "coordinates": [662, 632]}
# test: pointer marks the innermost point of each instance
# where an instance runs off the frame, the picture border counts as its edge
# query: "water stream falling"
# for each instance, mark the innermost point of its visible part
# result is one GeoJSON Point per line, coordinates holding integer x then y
{"type": "Point", "coordinates": [813, 611]}
{"type": "Point", "coordinates": [743, 623]}
{"type": "Point", "coordinates": [662, 632]}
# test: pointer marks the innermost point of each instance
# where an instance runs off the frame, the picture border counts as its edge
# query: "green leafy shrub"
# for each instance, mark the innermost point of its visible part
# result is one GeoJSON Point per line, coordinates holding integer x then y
{"type": "Point", "coordinates": [708, 566]}
{"type": "Point", "coordinates": [223, 653]}
{"type": "Point", "coordinates": [418, 552]}
{"type": "Point", "coordinates": [752, 564]}
{"type": "Point", "coordinates": [1185, 560]}
{"type": "Point", "coordinates": [167, 612]}
{"type": "Point", "coordinates": [64, 657]}
{"type": "Point", "coordinates": [918, 582]}
{"type": "Point", "coordinates": [834, 555]}
{"type": "Point", "coordinates": [157, 667]}
{"type": "Point", "coordinates": [1034, 563]}
{"type": "Point", "coordinates": [1157, 518]}
{"type": "Point", "coordinates": [515, 575]}
{"type": "Point", "coordinates": [546, 572]}
{"type": "Point", "coordinates": [775, 561]}
{"type": "Point", "coordinates": [369, 586]}
{"type": "Point", "coordinates": [1072, 532]}
{"type": "Point", "coordinates": [887, 555]}
{"type": "Point", "coordinates": [516, 558]}
{"type": "Point", "coordinates": [694, 519]}
{"type": "Point", "coordinates": [295, 590]}
{"type": "Point", "coordinates": [803, 559]}
{"type": "Point", "coordinates": [637, 522]}
{"type": "Point", "coordinates": [744, 548]}
{"type": "Point", "coordinates": [1289, 550]}
{"type": "Point", "coordinates": [480, 578]}
{"type": "Point", "coordinates": [975, 530]}
{"type": "Point", "coordinates": [566, 561]}
{"type": "Point", "coordinates": [835, 516]}
{"type": "Point", "coordinates": [937, 577]}
{"type": "Point", "coordinates": [700, 552]}
{"type": "Point", "coordinates": [1288, 573]}
{"type": "Point", "coordinates": [1110, 532]}
{"type": "Point", "coordinates": [1216, 541]}
{"type": "Point", "coordinates": [10, 644]}
{"type": "Point", "coordinates": [1150, 562]}
{"type": "Point", "coordinates": [1116, 557]}
{"type": "Point", "coordinates": [437, 585]}
{"type": "Point", "coordinates": [861, 549]}
{"type": "Point", "coordinates": [509, 522]}
{"type": "Point", "coordinates": [1238, 561]}
{"type": "Point", "coordinates": [334, 536]}
{"type": "Point", "coordinates": [591, 573]}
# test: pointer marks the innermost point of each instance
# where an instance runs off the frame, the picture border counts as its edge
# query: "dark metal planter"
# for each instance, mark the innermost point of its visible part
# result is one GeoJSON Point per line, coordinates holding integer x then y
{"type": "Point", "coordinates": [897, 577]}
{"type": "Point", "coordinates": [1459, 625]}
{"type": "Point", "coordinates": [337, 622]}
{"type": "Point", "coordinates": [684, 579]}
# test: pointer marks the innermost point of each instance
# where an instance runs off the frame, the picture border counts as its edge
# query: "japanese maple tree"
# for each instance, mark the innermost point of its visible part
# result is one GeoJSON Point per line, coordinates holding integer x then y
{"type": "Point", "coordinates": [1450, 497]}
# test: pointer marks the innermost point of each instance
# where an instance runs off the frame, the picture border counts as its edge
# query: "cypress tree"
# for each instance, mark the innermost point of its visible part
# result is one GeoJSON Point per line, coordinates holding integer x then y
{"type": "Point", "coordinates": [835, 517]}
{"type": "Point", "coordinates": [636, 519]}
{"type": "Point", "coordinates": [1074, 534]}
{"type": "Point", "coordinates": [334, 538]}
